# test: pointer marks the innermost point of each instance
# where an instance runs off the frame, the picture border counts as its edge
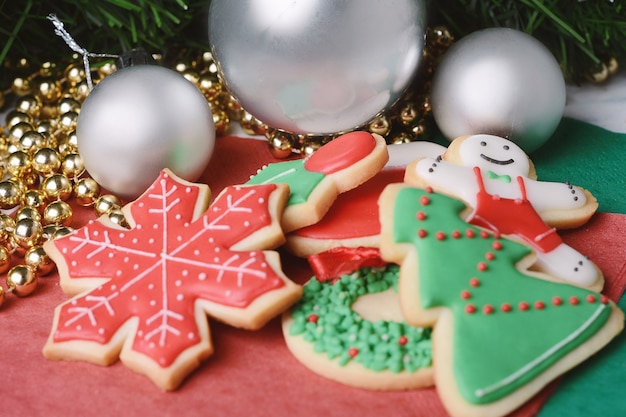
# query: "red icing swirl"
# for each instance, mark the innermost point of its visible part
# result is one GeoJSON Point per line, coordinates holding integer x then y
{"type": "Point", "coordinates": [341, 153]}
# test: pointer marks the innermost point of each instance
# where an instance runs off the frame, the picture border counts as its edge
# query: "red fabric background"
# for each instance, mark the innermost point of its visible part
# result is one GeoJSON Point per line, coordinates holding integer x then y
{"type": "Point", "coordinates": [251, 373]}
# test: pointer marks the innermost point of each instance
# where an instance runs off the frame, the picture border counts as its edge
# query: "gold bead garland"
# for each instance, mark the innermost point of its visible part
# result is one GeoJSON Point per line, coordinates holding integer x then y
{"type": "Point", "coordinates": [42, 174]}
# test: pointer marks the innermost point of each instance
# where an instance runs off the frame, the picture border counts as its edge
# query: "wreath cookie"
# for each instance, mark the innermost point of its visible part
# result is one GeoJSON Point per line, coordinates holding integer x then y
{"type": "Point", "coordinates": [499, 334]}
{"type": "Point", "coordinates": [497, 181]}
{"type": "Point", "coordinates": [350, 330]}
{"type": "Point", "coordinates": [314, 182]}
{"type": "Point", "coordinates": [142, 294]}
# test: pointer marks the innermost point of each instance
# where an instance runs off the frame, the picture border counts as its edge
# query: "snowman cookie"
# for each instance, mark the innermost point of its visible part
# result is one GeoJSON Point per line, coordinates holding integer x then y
{"type": "Point", "coordinates": [497, 181]}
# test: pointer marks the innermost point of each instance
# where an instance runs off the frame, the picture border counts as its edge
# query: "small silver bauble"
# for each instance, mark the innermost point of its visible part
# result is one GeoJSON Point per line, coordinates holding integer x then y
{"type": "Point", "coordinates": [317, 66]}
{"type": "Point", "coordinates": [499, 81]}
{"type": "Point", "coordinates": [140, 120]}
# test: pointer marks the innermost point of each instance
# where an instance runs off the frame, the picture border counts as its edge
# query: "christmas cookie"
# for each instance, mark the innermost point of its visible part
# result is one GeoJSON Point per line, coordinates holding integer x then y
{"type": "Point", "coordinates": [142, 294]}
{"type": "Point", "coordinates": [350, 330]}
{"type": "Point", "coordinates": [499, 334]}
{"type": "Point", "coordinates": [495, 178]}
{"type": "Point", "coordinates": [352, 221]}
{"type": "Point", "coordinates": [340, 165]}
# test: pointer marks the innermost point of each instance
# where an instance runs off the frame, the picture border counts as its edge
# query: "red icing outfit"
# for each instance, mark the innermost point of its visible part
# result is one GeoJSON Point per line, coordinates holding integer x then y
{"type": "Point", "coordinates": [515, 217]}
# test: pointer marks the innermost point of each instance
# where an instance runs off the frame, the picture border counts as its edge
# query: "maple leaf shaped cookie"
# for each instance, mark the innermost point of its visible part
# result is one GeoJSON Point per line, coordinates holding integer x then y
{"type": "Point", "coordinates": [143, 292]}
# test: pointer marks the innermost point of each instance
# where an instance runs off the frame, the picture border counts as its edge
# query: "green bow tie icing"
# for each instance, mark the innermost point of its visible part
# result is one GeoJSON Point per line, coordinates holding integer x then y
{"type": "Point", "coordinates": [492, 175]}
{"type": "Point", "coordinates": [500, 328]}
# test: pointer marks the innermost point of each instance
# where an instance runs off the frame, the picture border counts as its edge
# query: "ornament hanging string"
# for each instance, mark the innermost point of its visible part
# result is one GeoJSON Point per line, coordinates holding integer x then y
{"type": "Point", "coordinates": [74, 46]}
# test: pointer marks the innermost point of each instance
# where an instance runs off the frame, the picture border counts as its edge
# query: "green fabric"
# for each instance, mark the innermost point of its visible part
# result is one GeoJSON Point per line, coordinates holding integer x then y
{"type": "Point", "coordinates": [585, 155]}
{"type": "Point", "coordinates": [605, 373]}
{"type": "Point", "coordinates": [588, 156]}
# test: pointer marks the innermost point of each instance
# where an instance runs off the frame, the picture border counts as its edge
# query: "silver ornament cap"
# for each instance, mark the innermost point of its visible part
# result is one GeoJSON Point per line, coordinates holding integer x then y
{"type": "Point", "coordinates": [502, 82]}
{"type": "Point", "coordinates": [140, 120]}
{"type": "Point", "coordinates": [317, 66]}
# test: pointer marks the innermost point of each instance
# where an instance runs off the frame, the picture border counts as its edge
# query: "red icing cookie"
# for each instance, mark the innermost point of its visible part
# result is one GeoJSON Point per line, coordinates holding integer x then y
{"type": "Point", "coordinates": [352, 221]}
{"type": "Point", "coordinates": [315, 182]}
{"type": "Point", "coordinates": [144, 292]}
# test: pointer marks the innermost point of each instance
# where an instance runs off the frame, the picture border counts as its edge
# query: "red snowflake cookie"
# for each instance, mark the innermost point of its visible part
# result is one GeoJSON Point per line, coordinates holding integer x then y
{"type": "Point", "coordinates": [143, 292]}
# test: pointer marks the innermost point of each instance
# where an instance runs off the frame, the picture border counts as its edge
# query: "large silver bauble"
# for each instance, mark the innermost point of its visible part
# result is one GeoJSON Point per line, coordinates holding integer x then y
{"type": "Point", "coordinates": [140, 120]}
{"type": "Point", "coordinates": [499, 81]}
{"type": "Point", "coordinates": [317, 66]}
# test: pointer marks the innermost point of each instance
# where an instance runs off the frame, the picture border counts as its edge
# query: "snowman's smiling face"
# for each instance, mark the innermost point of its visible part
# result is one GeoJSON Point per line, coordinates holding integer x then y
{"type": "Point", "coordinates": [493, 153]}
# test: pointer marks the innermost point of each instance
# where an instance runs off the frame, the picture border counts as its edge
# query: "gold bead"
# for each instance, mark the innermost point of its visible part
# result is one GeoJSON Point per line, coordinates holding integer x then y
{"type": "Point", "coordinates": [612, 65]}
{"type": "Point", "coordinates": [48, 89]}
{"type": "Point", "coordinates": [310, 145]}
{"type": "Point", "coordinates": [61, 232]}
{"type": "Point", "coordinates": [106, 69]}
{"type": "Point", "coordinates": [221, 122]}
{"type": "Point", "coordinates": [49, 230]}
{"type": "Point", "coordinates": [22, 280]}
{"type": "Point", "coordinates": [18, 163]}
{"type": "Point", "coordinates": [20, 86]}
{"type": "Point", "coordinates": [598, 74]}
{"type": "Point", "coordinates": [233, 107]}
{"type": "Point", "coordinates": [441, 37]}
{"type": "Point", "coordinates": [17, 127]}
{"type": "Point", "coordinates": [46, 161]}
{"type": "Point", "coordinates": [68, 104]}
{"type": "Point", "coordinates": [252, 125]}
{"type": "Point", "coordinates": [34, 198]}
{"type": "Point", "coordinates": [67, 121]}
{"type": "Point", "coordinates": [418, 130]}
{"type": "Point", "coordinates": [69, 144]}
{"type": "Point", "coordinates": [58, 212]}
{"type": "Point", "coordinates": [72, 166]}
{"type": "Point", "coordinates": [7, 225]}
{"type": "Point", "coordinates": [401, 138]}
{"type": "Point", "coordinates": [380, 126]}
{"type": "Point", "coordinates": [281, 144]}
{"type": "Point", "coordinates": [117, 216]}
{"type": "Point", "coordinates": [27, 233]}
{"type": "Point", "coordinates": [30, 105]}
{"type": "Point", "coordinates": [10, 194]}
{"type": "Point", "coordinates": [86, 191]}
{"type": "Point", "coordinates": [48, 69]}
{"type": "Point", "coordinates": [31, 141]}
{"type": "Point", "coordinates": [28, 213]}
{"type": "Point", "coordinates": [2, 296]}
{"type": "Point", "coordinates": [37, 258]}
{"type": "Point", "coordinates": [210, 86]}
{"type": "Point", "coordinates": [45, 127]}
{"type": "Point", "coordinates": [106, 203]}
{"type": "Point", "coordinates": [80, 91]}
{"type": "Point", "coordinates": [57, 186]}
{"type": "Point", "coordinates": [191, 75]}
{"type": "Point", "coordinates": [74, 74]}
{"type": "Point", "coordinates": [408, 113]}
{"type": "Point", "coordinates": [5, 262]}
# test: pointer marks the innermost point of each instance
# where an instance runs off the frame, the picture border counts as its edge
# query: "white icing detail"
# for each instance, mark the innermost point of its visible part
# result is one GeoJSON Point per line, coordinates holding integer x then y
{"type": "Point", "coordinates": [520, 372]}
{"type": "Point", "coordinates": [98, 301]}
{"type": "Point", "coordinates": [272, 180]}
{"type": "Point", "coordinates": [164, 321]}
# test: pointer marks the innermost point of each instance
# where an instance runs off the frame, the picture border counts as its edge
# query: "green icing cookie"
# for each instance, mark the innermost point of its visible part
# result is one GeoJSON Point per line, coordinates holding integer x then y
{"type": "Point", "coordinates": [324, 318]}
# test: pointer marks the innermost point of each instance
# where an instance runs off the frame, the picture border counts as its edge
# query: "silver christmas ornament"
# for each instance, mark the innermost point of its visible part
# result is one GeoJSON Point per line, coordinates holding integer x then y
{"type": "Point", "coordinates": [317, 66]}
{"type": "Point", "coordinates": [139, 120]}
{"type": "Point", "coordinates": [499, 81]}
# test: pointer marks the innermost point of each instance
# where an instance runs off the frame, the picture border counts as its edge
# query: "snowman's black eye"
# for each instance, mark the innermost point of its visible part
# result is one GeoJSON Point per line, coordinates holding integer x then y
{"type": "Point", "coordinates": [483, 143]}
{"type": "Point", "coordinates": [506, 147]}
